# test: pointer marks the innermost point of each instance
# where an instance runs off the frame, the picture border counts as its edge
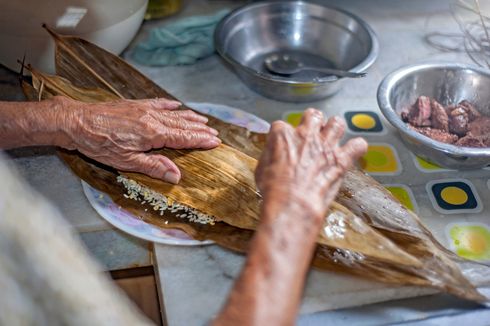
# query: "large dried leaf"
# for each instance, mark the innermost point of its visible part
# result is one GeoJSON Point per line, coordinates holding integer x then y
{"type": "Point", "coordinates": [87, 65]}
{"type": "Point", "coordinates": [326, 257]}
{"type": "Point", "coordinates": [220, 183]}
{"type": "Point", "coordinates": [344, 235]}
{"type": "Point", "coordinates": [48, 85]}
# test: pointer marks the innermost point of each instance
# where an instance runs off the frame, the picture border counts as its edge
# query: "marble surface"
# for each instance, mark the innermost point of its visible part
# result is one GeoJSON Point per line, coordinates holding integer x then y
{"type": "Point", "coordinates": [203, 276]}
{"type": "Point", "coordinates": [117, 250]}
{"type": "Point", "coordinates": [195, 283]}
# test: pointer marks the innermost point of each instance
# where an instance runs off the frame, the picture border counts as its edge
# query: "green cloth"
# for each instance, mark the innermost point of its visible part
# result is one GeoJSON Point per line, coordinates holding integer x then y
{"type": "Point", "coordinates": [180, 43]}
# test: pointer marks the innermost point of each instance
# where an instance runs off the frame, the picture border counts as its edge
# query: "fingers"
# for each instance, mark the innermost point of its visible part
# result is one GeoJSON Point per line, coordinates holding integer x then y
{"type": "Point", "coordinates": [190, 116]}
{"type": "Point", "coordinates": [351, 152]}
{"type": "Point", "coordinates": [177, 123]}
{"type": "Point", "coordinates": [154, 165]}
{"type": "Point", "coordinates": [161, 103]}
{"type": "Point", "coordinates": [278, 127]}
{"type": "Point", "coordinates": [180, 139]}
{"type": "Point", "coordinates": [312, 121]}
{"type": "Point", "coordinates": [333, 131]}
{"type": "Point", "coordinates": [355, 148]}
{"type": "Point", "coordinates": [277, 130]}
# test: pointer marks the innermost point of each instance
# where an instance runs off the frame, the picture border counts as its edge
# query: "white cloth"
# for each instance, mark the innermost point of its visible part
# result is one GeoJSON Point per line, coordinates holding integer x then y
{"type": "Point", "coordinates": [46, 277]}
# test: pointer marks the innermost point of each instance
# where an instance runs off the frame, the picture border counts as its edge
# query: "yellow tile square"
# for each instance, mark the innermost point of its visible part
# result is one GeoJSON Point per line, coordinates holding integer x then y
{"type": "Point", "coordinates": [293, 118]}
{"type": "Point", "coordinates": [402, 195]}
{"type": "Point", "coordinates": [380, 159]}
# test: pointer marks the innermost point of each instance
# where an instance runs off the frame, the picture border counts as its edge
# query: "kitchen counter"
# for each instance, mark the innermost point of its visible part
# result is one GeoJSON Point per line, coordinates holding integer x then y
{"type": "Point", "coordinates": [194, 281]}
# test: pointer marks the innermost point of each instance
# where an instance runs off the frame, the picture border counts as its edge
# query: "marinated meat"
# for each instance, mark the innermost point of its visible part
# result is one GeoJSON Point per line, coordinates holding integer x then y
{"type": "Point", "coordinates": [474, 141]}
{"type": "Point", "coordinates": [419, 114]}
{"type": "Point", "coordinates": [470, 110]}
{"type": "Point", "coordinates": [461, 124]}
{"type": "Point", "coordinates": [458, 122]}
{"type": "Point", "coordinates": [436, 134]}
{"type": "Point", "coordinates": [439, 118]}
{"type": "Point", "coordinates": [480, 126]}
{"type": "Point", "coordinates": [450, 108]}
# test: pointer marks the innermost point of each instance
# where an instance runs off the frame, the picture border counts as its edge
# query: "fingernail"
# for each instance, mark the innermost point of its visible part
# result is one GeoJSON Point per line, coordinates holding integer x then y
{"type": "Point", "coordinates": [213, 142]}
{"type": "Point", "coordinates": [171, 177]}
{"type": "Point", "coordinates": [214, 131]}
{"type": "Point", "coordinates": [175, 104]}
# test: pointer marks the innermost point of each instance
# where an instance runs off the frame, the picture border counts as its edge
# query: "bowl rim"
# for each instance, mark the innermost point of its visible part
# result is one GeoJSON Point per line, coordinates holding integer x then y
{"type": "Point", "coordinates": [383, 96]}
{"type": "Point", "coordinates": [362, 66]}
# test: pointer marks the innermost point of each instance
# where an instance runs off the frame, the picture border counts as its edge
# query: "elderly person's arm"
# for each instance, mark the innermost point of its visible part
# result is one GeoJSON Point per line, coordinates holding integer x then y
{"type": "Point", "coordinates": [117, 134]}
{"type": "Point", "coordinates": [298, 175]}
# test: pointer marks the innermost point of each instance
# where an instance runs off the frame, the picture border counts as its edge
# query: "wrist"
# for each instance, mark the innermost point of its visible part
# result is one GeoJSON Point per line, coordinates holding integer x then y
{"type": "Point", "coordinates": [293, 207]}
{"type": "Point", "coordinates": [60, 122]}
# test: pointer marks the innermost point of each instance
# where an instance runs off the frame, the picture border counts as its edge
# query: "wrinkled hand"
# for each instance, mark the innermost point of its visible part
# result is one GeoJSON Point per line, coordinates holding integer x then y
{"type": "Point", "coordinates": [306, 165]}
{"type": "Point", "coordinates": [119, 133]}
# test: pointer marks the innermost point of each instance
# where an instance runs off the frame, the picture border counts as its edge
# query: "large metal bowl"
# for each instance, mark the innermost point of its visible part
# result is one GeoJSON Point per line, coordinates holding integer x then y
{"type": "Point", "coordinates": [448, 83]}
{"type": "Point", "coordinates": [313, 33]}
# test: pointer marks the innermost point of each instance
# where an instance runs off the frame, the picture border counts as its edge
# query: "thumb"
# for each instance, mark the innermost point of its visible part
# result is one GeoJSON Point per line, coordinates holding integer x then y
{"type": "Point", "coordinates": [156, 166]}
{"type": "Point", "coordinates": [353, 150]}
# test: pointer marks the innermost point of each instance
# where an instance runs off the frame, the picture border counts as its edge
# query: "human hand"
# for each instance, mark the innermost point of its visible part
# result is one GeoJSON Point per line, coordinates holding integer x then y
{"type": "Point", "coordinates": [120, 133]}
{"type": "Point", "coordinates": [305, 165]}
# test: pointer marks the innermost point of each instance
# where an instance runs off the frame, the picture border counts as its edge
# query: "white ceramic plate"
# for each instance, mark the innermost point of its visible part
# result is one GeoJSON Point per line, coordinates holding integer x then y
{"type": "Point", "coordinates": [127, 222]}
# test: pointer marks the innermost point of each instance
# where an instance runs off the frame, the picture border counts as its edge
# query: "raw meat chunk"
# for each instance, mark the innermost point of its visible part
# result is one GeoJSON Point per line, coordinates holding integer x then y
{"type": "Point", "coordinates": [436, 134]}
{"type": "Point", "coordinates": [458, 122]}
{"type": "Point", "coordinates": [439, 118]}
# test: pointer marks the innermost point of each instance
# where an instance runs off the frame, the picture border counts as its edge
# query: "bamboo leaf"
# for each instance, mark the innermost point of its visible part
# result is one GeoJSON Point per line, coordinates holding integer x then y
{"type": "Point", "coordinates": [411, 255]}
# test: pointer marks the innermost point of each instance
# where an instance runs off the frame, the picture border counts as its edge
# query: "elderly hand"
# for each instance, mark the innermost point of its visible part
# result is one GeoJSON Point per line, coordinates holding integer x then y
{"type": "Point", "coordinates": [120, 133]}
{"type": "Point", "coordinates": [298, 175]}
{"type": "Point", "coordinates": [305, 165]}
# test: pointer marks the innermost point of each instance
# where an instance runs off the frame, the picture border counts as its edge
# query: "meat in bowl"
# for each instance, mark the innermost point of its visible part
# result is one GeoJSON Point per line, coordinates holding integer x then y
{"type": "Point", "coordinates": [458, 124]}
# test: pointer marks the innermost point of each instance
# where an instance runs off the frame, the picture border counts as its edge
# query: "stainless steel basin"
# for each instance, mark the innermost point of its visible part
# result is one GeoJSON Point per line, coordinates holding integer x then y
{"type": "Point", "coordinates": [448, 83]}
{"type": "Point", "coordinates": [315, 34]}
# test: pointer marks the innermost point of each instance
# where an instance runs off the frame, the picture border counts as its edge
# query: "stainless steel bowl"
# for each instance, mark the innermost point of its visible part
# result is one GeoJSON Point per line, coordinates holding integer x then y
{"type": "Point", "coordinates": [448, 83]}
{"type": "Point", "coordinates": [313, 33]}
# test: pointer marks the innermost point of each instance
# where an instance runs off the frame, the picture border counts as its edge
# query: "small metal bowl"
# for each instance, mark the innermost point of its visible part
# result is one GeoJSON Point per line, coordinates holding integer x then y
{"type": "Point", "coordinates": [313, 33]}
{"type": "Point", "coordinates": [448, 83]}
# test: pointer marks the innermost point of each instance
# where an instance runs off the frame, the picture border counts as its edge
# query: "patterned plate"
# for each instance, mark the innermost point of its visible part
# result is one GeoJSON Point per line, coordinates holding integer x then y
{"type": "Point", "coordinates": [129, 223]}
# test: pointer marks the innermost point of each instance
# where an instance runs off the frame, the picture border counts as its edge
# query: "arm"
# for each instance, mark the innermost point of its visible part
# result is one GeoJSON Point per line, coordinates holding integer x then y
{"type": "Point", "coordinates": [298, 175]}
{"type": "Point", "coordinates": [114, 133]}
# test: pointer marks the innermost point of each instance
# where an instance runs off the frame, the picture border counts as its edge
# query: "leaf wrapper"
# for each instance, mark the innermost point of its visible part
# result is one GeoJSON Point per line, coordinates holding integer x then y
{"type": "Point", "coordinates": [381, 239]}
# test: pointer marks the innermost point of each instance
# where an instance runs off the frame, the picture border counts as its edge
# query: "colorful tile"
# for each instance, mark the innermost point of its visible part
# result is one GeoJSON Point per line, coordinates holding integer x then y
{"type": "Point", "coordinates": [469, 240]}
{"type": "Point", "coordinates": [381, 159]}
{"type": "Point", "coordinates": [426, 166]}
{"type": "Point", "coordinates": [363, 122]}
{"type": "Point", "coordinates": [453, 196]}
{"type": "Point", "coordinates": [293, 118]}
{"type": "Point", "coordinates": [404, 195]}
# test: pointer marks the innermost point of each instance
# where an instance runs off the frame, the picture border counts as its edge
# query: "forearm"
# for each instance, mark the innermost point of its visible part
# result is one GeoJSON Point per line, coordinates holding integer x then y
{"type": "Point", "coordinates": [33, 123]}
{"type": "Point", "coordinates": [269, 289]}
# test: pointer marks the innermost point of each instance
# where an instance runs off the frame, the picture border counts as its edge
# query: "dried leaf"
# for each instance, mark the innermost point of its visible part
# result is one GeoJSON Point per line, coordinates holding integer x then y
{"type": "Point", "coordinates": [220, 183]}
{"type": "Point", "coordinates": [87, 65]}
